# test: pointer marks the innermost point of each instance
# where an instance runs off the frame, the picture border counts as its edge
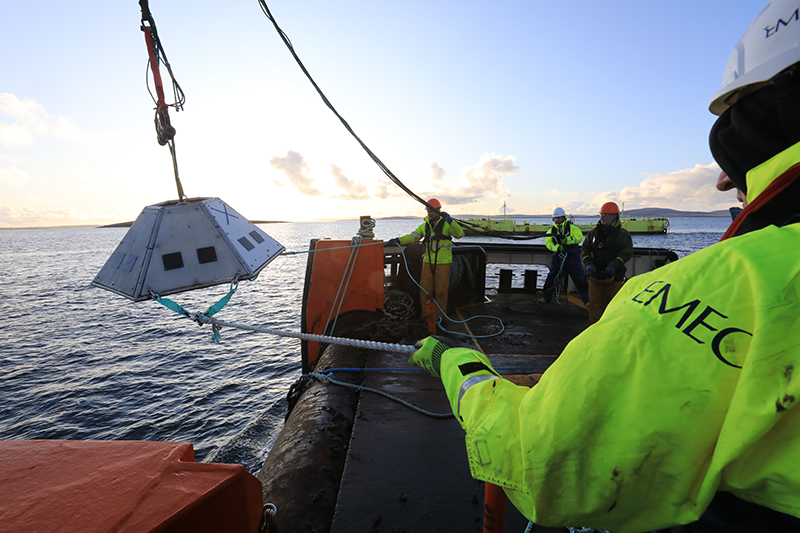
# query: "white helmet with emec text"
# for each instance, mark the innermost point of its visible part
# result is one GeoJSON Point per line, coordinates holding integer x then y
{"type": "Point", "coordinates": [770, 45]}
{"type": "Point", "coordinates": [558, 212]}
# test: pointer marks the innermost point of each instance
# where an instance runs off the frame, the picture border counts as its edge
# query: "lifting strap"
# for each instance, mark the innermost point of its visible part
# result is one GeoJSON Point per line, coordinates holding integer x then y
{"type": "Point", "coordinates": [156, 54]}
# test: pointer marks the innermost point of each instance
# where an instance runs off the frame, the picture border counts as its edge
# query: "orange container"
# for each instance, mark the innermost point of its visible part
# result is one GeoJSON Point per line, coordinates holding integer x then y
{"type": "Point", "coordinates": [123, 486]}
{"type": "Point", "coordinates": [338, 279]}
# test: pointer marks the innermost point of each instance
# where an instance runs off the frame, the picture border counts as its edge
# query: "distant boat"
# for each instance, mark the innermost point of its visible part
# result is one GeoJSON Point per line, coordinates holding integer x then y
{"type": "Point", "coordinates": [635, 226]}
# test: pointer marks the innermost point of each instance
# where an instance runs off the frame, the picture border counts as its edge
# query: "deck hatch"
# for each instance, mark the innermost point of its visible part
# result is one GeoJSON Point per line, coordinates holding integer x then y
{"type": "Point", "coordinates": [172, 261]}
{"type": "Point", "coordinates": [206, 255]}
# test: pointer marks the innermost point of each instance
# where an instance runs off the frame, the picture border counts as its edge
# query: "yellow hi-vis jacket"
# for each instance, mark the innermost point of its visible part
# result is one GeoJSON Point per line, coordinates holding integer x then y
{"type": "Point", "coordinates": [438, 239]}
{"type": "Point", "coordinates": [688, 385]}
{"type": "Point", "coordinates": [564, 234]}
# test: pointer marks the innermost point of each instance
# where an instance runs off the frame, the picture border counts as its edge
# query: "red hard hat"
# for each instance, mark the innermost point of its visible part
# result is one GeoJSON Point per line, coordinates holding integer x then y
{"type": "Point", "coordinates": [433, 202]}
{"type": "Point", "coordinates": [610, 208]}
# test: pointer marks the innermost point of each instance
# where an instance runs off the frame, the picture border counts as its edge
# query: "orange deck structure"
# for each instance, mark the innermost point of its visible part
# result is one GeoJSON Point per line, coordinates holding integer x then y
{"type": "Point", "coordinates": [122, 486]}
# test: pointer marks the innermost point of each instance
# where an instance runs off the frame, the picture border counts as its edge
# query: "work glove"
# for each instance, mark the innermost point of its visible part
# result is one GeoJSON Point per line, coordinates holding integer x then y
{"type": "Point", "coordinates": [393, 242]}
{"type": "Point", "coordinates": [447, 217]}
{"type": "Point", "coordinates": [429, 354]}
{"type": "Point", "coordinates": [610, 271]}
{"type": "Point", "coordinates": [591, 270]}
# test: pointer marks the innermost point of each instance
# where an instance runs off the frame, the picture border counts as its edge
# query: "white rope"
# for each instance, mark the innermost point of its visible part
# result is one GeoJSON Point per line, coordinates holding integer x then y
{"type": "Point", "coordinates": [341, 341]}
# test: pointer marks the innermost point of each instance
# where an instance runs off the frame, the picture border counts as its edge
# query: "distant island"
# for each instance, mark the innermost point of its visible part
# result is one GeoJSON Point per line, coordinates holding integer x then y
{"type": "Point", "coordinates": [647, 212]}
{"type": "Point", "coordinates": [128, 224]}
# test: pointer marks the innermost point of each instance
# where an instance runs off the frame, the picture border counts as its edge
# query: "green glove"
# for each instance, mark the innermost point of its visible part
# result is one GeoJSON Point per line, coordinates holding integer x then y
{"type": "Point", "coordinates": [429, 354]}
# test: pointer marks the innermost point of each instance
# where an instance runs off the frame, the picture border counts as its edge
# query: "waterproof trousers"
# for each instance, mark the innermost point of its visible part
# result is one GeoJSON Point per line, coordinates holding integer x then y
{"type": "Point", "coordinates": [600, 294]}
{"type": "Point", "coordinates": [435, 279]}
{"type": "Point", "coordinates": [562, 265]}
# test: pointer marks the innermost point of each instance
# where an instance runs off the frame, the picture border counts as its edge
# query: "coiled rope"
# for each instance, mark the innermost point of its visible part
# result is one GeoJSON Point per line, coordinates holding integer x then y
{"type": "Point", "coordinates": [444, 313]}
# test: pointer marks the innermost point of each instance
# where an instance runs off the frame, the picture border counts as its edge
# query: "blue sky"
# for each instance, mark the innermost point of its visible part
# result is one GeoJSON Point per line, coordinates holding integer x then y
{"type": "Point", "coordinates": [531, 103]}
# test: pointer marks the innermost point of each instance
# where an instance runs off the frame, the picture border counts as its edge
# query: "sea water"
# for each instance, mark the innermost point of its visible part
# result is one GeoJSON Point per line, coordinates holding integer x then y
{"type": "Point", "coordinates": [78, 362]}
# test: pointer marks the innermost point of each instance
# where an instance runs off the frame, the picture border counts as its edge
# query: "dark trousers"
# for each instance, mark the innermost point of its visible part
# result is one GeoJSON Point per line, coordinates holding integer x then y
{"type": "Point", "coordinates": [570, 265]}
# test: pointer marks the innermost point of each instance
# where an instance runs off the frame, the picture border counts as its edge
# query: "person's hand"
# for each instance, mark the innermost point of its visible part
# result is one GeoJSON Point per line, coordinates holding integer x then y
{"type": "Point", "coordinates": [447, 217]}
{"type": "Point", "coordinates": [393, 242]}
{"type": "Point", "coordinates": [591, 270]}
{"type": "Point", "coordinates": [561, 248]}
{"type": "Point", "coordinates": [610, 271]}
{"type": "Point", "coordinates": [429, 354]}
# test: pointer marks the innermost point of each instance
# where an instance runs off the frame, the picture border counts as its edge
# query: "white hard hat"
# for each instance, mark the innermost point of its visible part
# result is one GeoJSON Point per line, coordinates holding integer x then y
{"type": "Point", "coordinates": [770, 45]}
{"type": "Point", "coordinates": [558, 212]}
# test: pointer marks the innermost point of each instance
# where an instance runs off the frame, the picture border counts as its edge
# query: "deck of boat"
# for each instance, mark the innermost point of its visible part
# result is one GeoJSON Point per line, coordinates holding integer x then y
{"type": "Point", "coordinates": [406, 471]}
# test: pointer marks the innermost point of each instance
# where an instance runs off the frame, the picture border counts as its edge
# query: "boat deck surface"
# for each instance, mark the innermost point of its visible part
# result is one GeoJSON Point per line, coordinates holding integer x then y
{"type": "Point", "coordinates": [406, 471]}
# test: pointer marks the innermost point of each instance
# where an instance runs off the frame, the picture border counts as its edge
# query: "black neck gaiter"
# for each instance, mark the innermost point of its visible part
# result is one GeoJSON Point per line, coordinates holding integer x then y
{"type": "Point", "coordinates": [752, 131]}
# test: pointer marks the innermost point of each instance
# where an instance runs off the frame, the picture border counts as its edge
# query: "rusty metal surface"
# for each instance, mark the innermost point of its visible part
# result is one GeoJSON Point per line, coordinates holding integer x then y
{"type": "Point", "coordinates": [303, 471]}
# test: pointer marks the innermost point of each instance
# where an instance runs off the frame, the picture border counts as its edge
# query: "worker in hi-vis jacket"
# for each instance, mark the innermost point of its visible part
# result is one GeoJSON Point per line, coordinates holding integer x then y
{"type": "Point", "coordinates": [436, 232]}
{"type": "Point", "coordinates": [679, 407]}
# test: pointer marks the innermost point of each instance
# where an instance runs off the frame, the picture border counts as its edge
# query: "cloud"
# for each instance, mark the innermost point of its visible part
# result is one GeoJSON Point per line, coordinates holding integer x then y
{"type": "Point", "coordinates": [388, 190]}
{"type": "Point", "coordinates": [12, 176]}
{"type": "Point", "coordinates": [483, 179]}
{"type": "Point", "coordinates": [353, 190]}
{"type": "Point", "coordinates": [438, 172]}
{"type": "Point", "coordinates": [690, 189]}
{"type": "Point", "coordinates": [31, 121]}
{"type": "Point", "coordinates": [295, 169]}
{"type": "Point", "coordinates": [32, 217]}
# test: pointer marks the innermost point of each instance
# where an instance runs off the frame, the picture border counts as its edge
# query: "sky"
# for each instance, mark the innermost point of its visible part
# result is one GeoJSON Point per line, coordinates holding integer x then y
{"type": "Point", "coordinates": [481, 104]}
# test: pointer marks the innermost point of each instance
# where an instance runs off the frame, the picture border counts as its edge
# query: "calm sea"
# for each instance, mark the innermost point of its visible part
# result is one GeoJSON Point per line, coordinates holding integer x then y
{"type": "Point", "coordinates": [77, 362]}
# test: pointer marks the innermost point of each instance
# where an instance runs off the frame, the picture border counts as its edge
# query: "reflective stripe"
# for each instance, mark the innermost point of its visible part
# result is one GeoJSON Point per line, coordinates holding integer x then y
{"type": "Point", "coordinates": [469, 382]}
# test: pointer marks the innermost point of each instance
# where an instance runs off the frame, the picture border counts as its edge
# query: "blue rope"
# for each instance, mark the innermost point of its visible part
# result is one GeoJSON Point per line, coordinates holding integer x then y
{"type": "Point", "coordinates": [415, 369]}
{"type": "Point", "coordinates": [326, 377]}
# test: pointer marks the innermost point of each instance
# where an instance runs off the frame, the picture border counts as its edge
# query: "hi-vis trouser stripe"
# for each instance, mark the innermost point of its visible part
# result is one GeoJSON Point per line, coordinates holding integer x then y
{"type": "Point", "coordinates": [469, 382]}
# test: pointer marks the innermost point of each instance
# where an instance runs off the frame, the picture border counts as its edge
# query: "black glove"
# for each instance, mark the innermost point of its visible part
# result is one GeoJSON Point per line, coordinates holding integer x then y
{"type": "Point", "coordinates": [393, 242]}
{"type": "Point", "coordinates": [610, 271]}
{"type": "Point", "coordinates": [591, 270]}
{"type": "Point", "coordinates": [447, 217]}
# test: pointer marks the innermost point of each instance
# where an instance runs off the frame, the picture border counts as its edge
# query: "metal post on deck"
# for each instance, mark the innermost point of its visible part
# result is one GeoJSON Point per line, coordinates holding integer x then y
{"type": "Point", "coordinates": [495, 502]}
{"type": "Point", "coordinates": [431, 316]}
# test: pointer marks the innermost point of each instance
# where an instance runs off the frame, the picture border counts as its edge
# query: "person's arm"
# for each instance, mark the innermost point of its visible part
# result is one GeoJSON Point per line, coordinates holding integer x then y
{"type": "Point", "coordinates": [586, 250]}
{"type": "Point", "coordinates": [414, 236]}
{"type": "Point", "coordinates": [575, 235]}
{"type": "Point", "coordinates": [550, 240]}
{"type": "Point", "coordinates": [456, 231]}
{"type": "Point", "coordinates": [625, 250]}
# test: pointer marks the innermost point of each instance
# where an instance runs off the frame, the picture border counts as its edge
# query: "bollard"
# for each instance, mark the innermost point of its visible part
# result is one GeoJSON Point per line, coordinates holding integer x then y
{"type": "Point", "coordinates": [431, 316]}
{"type": "Point", "coordinates": [495, 502]}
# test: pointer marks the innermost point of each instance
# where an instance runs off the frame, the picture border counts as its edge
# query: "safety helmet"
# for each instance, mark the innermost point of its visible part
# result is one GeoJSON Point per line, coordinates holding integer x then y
{"type": "Point", "coordinates": [609, 208]}
{"type": "Point", "coordinates": [558, 212]}
{"type": "Point", "coordinates": [433, 202]}
{"type": "Point", "coordinates": [770, 45]}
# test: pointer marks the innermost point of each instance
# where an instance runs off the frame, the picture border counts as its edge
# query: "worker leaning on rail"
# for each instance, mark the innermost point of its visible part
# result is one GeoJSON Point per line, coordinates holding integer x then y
{"type": "Point", "coordinates": [563, 239]}
{"type": "Point", "coordinates": [680, 406]}
{"type": "Point", "coordinates": [606, 249]}
{"type": "Point", "coordinates": [436, 232]}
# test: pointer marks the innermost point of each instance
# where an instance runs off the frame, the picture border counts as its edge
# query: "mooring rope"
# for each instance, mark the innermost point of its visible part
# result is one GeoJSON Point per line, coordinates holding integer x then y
{"type": "Point", "coordinates": [202, 318]}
